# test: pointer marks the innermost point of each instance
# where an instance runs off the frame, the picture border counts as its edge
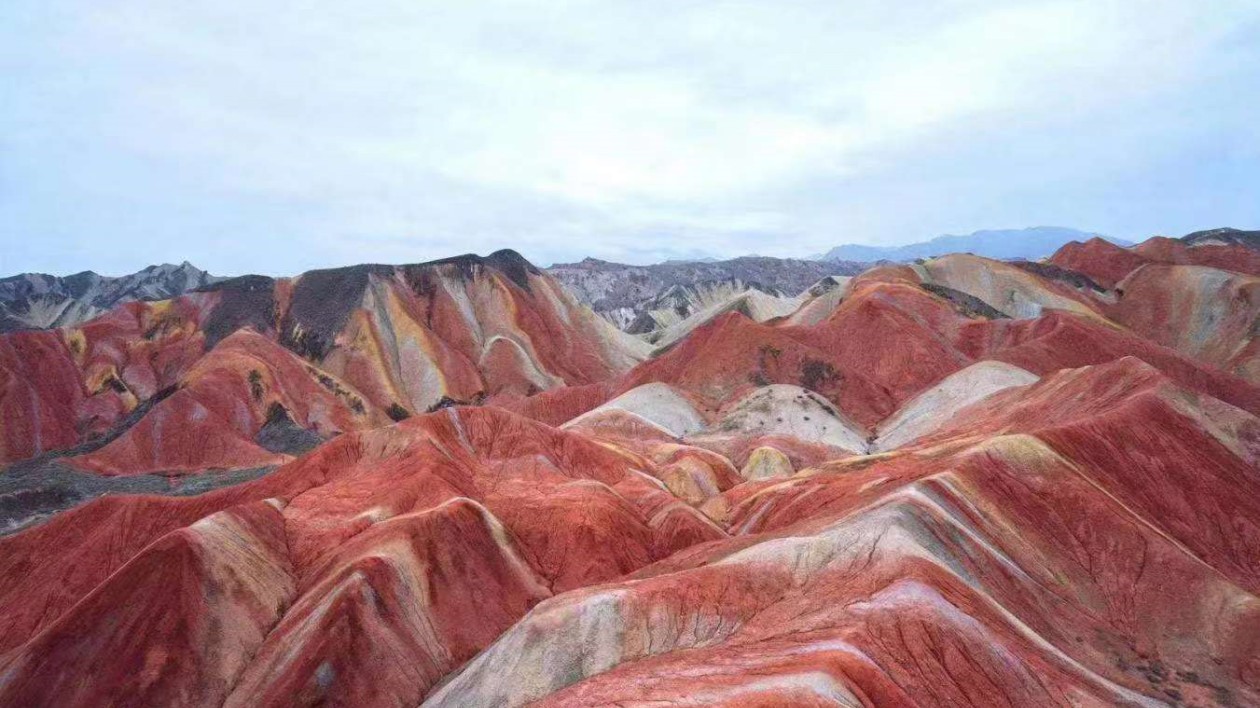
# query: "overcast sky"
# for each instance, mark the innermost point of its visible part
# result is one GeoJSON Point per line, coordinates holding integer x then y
{"type": "Point", "coordinates": [281, 136]}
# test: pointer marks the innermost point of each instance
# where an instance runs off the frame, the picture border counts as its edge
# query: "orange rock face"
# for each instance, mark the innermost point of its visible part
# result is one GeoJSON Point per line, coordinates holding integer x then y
{"type": "Point", "coordinates": [960, 483]}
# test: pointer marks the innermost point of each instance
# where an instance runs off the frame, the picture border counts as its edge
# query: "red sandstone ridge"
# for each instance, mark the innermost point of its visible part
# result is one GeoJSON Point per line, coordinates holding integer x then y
{"type": "Point", "coordinates": [1108, 264]}
{"type": "Point", "coordinates": [381, 341]}
{"type": "Point", "coordinates": [961, 482]}
{"type": "Point", "coordinates": [1100, 259]}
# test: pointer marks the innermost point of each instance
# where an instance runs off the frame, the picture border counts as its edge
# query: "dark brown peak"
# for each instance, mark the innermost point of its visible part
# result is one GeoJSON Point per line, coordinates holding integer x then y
{"type": "Point", "coordinates": [358, 271]}
{"type": "Point", "coordinates": [242, 283]}
{"type": "Point", "coordinates": [277, 413]}
{"type": "Point", "coordinates": [281, 434]}
{"type": "Point", "coordinates": [1054, 272]}
{"type": "Point", "coordinates": [823, 286]}
{"type": "Point", "coordinates": [322, 302]}
{"type": "Point", "coordinates": [238, 310]}
{"type": "Point", "coordinates": [513, 265]}
{"type": "Point", "coordinates": [506, 261]}
{"type": "Point", "coordinates": [506, 257]}
{"type": "Point", "coordinates": [247, 301]}
{"type": "Point", "coordinates": [419, 276]}
{"type": "Point", "coordinates": [965, 303]}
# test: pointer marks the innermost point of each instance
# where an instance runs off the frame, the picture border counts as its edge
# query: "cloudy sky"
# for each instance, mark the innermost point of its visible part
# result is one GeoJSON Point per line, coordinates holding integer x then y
{"type": "Point", "coordinates": [281, 136]}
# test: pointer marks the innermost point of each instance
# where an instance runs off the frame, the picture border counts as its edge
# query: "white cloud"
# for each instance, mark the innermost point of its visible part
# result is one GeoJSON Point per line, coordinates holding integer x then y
{"type": "Point", "coordinates": [608, 128]}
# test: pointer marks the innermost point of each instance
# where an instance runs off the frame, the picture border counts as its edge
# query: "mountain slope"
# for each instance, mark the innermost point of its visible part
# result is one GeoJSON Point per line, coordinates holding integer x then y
{"type": "Point", "coordinates": [962, 482]}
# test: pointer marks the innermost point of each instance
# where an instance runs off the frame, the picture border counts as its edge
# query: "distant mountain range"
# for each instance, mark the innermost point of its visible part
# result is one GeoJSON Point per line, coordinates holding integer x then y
{"type": "Point", "coordinates": [635, 298]}
{"type": "Point", "coordinates": [626, 295]}
{"type": "Point", "coordinates": [1006, 244]}
{"type": "Point", "coordinates": [39, 301]}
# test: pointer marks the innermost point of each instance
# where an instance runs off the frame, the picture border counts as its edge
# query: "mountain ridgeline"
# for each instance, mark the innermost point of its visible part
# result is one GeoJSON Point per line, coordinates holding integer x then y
{"type": "Point", "coordinates": [958, 481]}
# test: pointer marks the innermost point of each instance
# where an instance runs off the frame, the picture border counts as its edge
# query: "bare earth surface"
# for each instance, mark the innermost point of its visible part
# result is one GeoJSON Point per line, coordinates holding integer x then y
{"type": "Point", "coordinates": [954, 482]}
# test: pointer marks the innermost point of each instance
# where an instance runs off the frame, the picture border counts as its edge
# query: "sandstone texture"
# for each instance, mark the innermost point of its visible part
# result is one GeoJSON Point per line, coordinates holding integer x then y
{"type": "Point", "coordinates": [954, 482]}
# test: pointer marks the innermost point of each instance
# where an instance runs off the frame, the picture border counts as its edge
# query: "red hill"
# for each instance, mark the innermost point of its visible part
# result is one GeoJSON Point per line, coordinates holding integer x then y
{"type": "Point", "coordinates": [961, 482]}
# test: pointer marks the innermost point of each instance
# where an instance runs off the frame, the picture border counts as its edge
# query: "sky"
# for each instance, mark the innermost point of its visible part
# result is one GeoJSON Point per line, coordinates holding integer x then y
{"type": "Point", "coordinates": [277, 137]}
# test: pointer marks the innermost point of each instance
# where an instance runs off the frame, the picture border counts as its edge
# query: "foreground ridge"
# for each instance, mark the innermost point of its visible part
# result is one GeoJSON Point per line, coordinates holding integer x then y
{"type": "Point", "coordinates": [955, 482]}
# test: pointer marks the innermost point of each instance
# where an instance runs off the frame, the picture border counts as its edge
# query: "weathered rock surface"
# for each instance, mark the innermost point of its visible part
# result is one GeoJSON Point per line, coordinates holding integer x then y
{"type": "Point", "coordinates": [962, 482]}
